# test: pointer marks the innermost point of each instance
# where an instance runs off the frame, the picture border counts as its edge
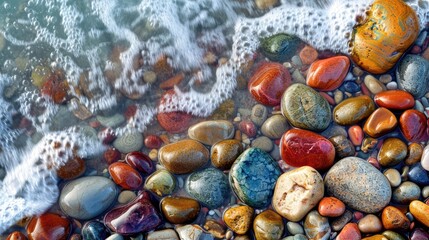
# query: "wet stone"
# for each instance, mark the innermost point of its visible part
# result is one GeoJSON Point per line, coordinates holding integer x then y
{"type": "Point", "coordinates": [211, 132]}
{"type": "Point", "coordinates": [48, 226]}
{"type": "Point", "coordinates": [87, 197]}
{"type": "Point", "coordinates": [140, 161]}
{"type": "Point", "coordinates": [125, 176]}
{"type": "Point", "coordinates": [94, 230]}
{"type": "Point", "coordinates": [414, 154]}
{"type": "Point", "coordinates": [111, 121]}
{"type": "Point", "coordinates": [161, 183]}
{"type": "Point", "coordinates": [316, 227]}
{"type": "Point", "coordinates": [294, 228]}
{"type": "Point", "coordinates": [358, 184]}
{"type": "Point", "coordinates": [394, 100]}
{"type": "Point", "coordinates": [328, 74]}
{"type": "Point", "coordinates": [353, 110]}
{"type": "Point", "coordinates": [380, 122]}
{"type": "Point", "coordinates": [393, 218]}
{"type": "Point", "coordinates": [418, 174]}
{"type": "Point", "coordinates": [279, 47]}
{"type": "Point", "coordinates": [126, 197]}
{"type": "Point", "coordinates": [253, 176]}
{"type": "Point", "coordinates": [413, 75]}
{"type": "Point", "coordinates": [214, 228]}
{"type": "Point", "coordinates": [413, 125]}
{"type": "Point", "coordinates": [420, 211]}
{"type": "Point", "coordinates": [391, 235]}
{"type": "Point", "coordinates": [259, 114]}
{"type": "Point", "coordinates": [343, 146]}
{"type": "Point", "coordinates": [349, 232]}
{"type": "Point", "coordinates": [16, 236]}
{"type": "Point", "coordinates": [406, 192]}
{"type": "Point", "coordinates": [305, 108]}
{"type": "Point", "coordinates": [262, 143]}
{"type": "Point", "coordinates": [392, 152]}
{"type": "Point", "coordinates": [275, 126]}
{"type": "Point", "coordinates": [268, 225]}
{"type": "Point", "coordinates": [224, 153]}
{"type": "Point", "coordinates": [419, 234]}
{"type": "Point", "coordinates": [370, 224]}
{"type": "Point", "coordinates": [209, 186]}
{"type": "Point", "coordinates": [166, 234]}
{"type": "Point", "coordinates": [129, 142]}
{"type": "Point", "coordinates": [179, 210]}
{"type": "Point", "coordinates": [238, 218]}
{"type": "Point", "coordinates": [331, 207]}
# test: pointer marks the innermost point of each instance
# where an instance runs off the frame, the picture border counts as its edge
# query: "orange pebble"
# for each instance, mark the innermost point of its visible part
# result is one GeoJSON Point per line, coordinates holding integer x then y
{"type": "Point", "coordinates": [308, 55]}
{"type": "Point", "coordinates": [349, 232]}
{"type": "Point", "coordinates": [16, 236]}
{"type": "Point", "coordinates": [393, 218]}
{"type": "Point", "coordinates": [356, 135]}
{"type": "Point", "coordinates": [331, 207]}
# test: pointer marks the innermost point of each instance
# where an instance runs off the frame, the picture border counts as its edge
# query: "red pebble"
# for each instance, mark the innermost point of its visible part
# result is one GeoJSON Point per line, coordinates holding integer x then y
{"type": "Point", "coordinates": [125, 176]}
{"type": "Point", "coordinates": [130, 111]}
{"type": "Point", "coordinates": [357, 215]}
{"type": "Point", "coordinates": [153, 141]}
{"type": "Point", "coordinates": [140, 161]}
{"type": "Point", "coordinates": [331, 207]}
{"type": "Point", "coordinates": [305, 148]}
{"type": "Point", "coordinates": [16, 236]}
{"type": "Point", "coordinates": [111, 155]}
{"type": "Point", "coordinates": [328, 74]}
{"type": "Point", "coordinates": [356, 135]}
{"type": "Point", "coordinates": [308, 55]}
{"type": "Point", "coordinates": [107, 136]}
{"type": "Point", "coordinates": [349, 232]}
{"type": "Point", "coordinates": [328, 98]}
{"type": "Point", "coordinates": [48, 226]}
{"type": "Point", "coordinates": [56, 88]}
{"type": "Point", "coordinates": [269, 82]}
{"type": "Point", "coordinates": [174, 122]}
{"type": "Point", "coordinates": [248, 127]}
{"type": "Point", "coordinates": [413, 125]}
{"type": "Point", "coordinates": [394, 100]}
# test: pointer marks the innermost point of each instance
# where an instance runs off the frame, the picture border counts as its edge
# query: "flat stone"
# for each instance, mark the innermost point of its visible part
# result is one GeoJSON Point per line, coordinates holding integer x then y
{"type": "Point", "coordinates": [358, 184]}
{"type": "Point", "coordinates": [179, 210]}
{"type": "Point", "coordinates": [211, 132]}
{"type": "Point", "coordinates": [353, 110]}
{"type": "Point", "coordinates": [129, 142]}
{"type": "Point", "coordinates": [111, 121]}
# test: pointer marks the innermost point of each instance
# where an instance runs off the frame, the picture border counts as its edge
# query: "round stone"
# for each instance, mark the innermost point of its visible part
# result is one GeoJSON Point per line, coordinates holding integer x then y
{"type": "Point", "coordinates": [316, 226]}
{"type": "Point", "coordinates": [253, 176]}
{"type": "Point", "coordinates": [358, 184]}
{"type": "Point", "coordinates": [297, 192]}
{"type": "Point", "coordinates": [305, 148]}
{"type": "Point", "coordinates": [380, 122]}
{"type": "Point", "coordinates": [349, 232]}
{"type": "Point", "coordinates": [370, 224]}
{"type": "Point", "coordinates": [163, 234]}
{"type": "Point", "coordinates": [392, 152]}
{"type": "Point", "coordinates": [211, 132]}
{"type": "Point", "coordinates": [373, 85]}
{"type": "Point", "coordinates": [275, 126]}
{"type": "Point", "coordinates": [126, 197]}
{"type": "Point", "coordinates": [125, 176]}
{"type": "Point", "coordinates": [161, 183]}
{"type": "Point", "coordinates": [268, 225]}
{"type": "Point", "coordinates": [418, 174]}
{"type": "Point", "coordinates": [129, 142]}
{"type": "Point", "coordinates": [262, 143]}
{"type": "Point", "coordinates": [184, 156]}
{"type": "Point", "coordinates": [87, 197]}
{"type": "Point", "coordinates": [279, 47]}
{"type": "Point", "coordinates": [393, 218]}
{"type": "Point", "coordinates": [331, 207]}
{"type": "Point", "coordinates": [94, 230]}
{"type": "Point", "coordinates": [238, 218]}
{"type": "Point", "coordinates": [343, 146]}
{"type": "Point", "coordinates": [305, 108]}
{"type": "Point", "coordinates": [294, 228]}
{"type": "Point", "coordinates": [414, 154]}
{"type": "Point", "coordinates": [328, 74]}
{"type": "Point", "coordinates": [412, 75]}
{"type": "Point", "coordinates": [179, 210]}
{"type": "Point", "coordinates": [259, 114]}
{"type": "Point", "coordinates": [224, 153]}
{"type": "Point", "coordinates": [209, 186]}
{"type": "Point", "coordinates": [425, 158]}
{"type": "Point", "coordinates": [353, 110]}
{"type": "Point", "coordinates": [393, 176]}
{"type": "Point", "coordinates": [140, 161]}
{"type": "Point", "coordinates": [394, 100]}
{"type": "Point", "coordinates": [73, 168]}
{"type": "Point", "coordinates": [420, 211]}
{"type": "Point", "coordinates": [406, 192]}
{"type": "Point", "coordinates": [48, 226]}
{"type": "Point", "coordinates": [413, 125]}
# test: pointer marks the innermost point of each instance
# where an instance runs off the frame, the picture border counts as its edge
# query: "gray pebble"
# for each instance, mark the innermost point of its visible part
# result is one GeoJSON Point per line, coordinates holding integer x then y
{"type": "Point", "coordinates": [259, 114]}
{"type": "Point", "coordinates": [412, 75]}
{"type": "Point", "coordinates": [275, 126]}
{"type": "Point", "coordinates": [294, 228]}
{"type": "Point", "coordinates": [406, 192]}
{"type": "Point", "coordinates": [262, 143]}
{"type": "Point", "coordinates": [111, 121]}
{"type": "Point", "coordinates": [338, 223]}
{"type": "Point", "coordinates": [129, 142]}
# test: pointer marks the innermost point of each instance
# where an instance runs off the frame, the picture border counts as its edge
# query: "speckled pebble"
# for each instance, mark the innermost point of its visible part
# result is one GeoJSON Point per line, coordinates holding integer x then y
{"type": "Point", "coordinates": [268, 225]}
{"type": "Point", "coordinates": [238, 218]}
{"type": "Point", "coordinates": [262, 143]}
{"type": "Point", "coordinates": [406, 192]}
{"type": "Point", "coordinates": [259, 114]}
{"type": "Point", "coordinates": [412, 75]}
{"type": "Point", "coordinates": [129, 142]}
{"type": "Point", "coordinates": [161, 183]}
{"type": "Point", "coordinates": [338, 223]}
{"type": "Point", "coordinates": [224, 153]}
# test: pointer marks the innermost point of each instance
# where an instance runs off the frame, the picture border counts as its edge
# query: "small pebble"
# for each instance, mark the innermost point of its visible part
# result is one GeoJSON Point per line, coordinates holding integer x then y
{"type": "Point", "coordinates": [406, 192]}
{"type": "Point", "coordinates": [165, 234]}
{"type": "Point", "coordinates": [316, 226]}
{"type": "Point", "coordinates": [393, 176]}
{"type": "Point", "coordinates": [373, 84]}
{"type": "Point", "coordinates": [259, 114]}
{"type": "Point", "coordinates": [294, 228]}
{"type": "Point", "coordinates": [385, 78]}
{"type": "Point", "coordinates": [425, 192]}
{"type": "Point", "coordinates": [393, 218]}
{"type": "Point", "coordinates": [115, 236]}
{"type": "Point", "coordinates": [414, 154]}
{"type": "Point", "coordinates": [149, 77]}
{"type": "Point", "coordinates": [370, 224]}
{"type": "Point", "coordinates": [126, 196]}
{"type": "Point", "coordinates": [262, 143]}
{"type": "Point", "coordinates": [331, 207]}
{"type": "Point", "coordinates": [338, 223]}
{"type": "Point", "coordinates": [238, 218]}
{"type": "Point", "coordinates": [392, 86]}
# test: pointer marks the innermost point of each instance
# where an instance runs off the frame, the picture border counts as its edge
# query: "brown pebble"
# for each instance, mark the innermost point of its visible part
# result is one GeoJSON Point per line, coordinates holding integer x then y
{"type": "Point", "coordinates": [420, 211]}
{"type": "Point", "coordinates": [180, 210]}
{"type": "Point", "coordinates": [224, 153]}
{"type": "Point", "coordinates": [392, 152]}
{"type": "Point", "coordinates": [215, 228]}
{"type": "Point", "coordinates": [268, 225]}
{"type": "Point", "coordinates": [308, 55]}
{"type": "Point", "coordinates": [414, 154]}
{"type": "Point", "coordinates": [16, 236]}
{"type": "Point", "coordinates": [380, 122]}
{"type": "Point", "coordinates": [393, 218]}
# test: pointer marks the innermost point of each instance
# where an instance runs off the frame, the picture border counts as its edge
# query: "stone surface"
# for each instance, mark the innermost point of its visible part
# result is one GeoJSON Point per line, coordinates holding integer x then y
{"type": "Point", "coordinates": [166, 234]}
{"type": "Point", "coordinates": [87, 197]}
{"type": "Point", "coordinates": [161, 183]}
{"type": "Point", "coordinates": [297, 192]}
{"type": "Point", "coordinates": [358, 184]}
{"type": "Point", "coordinates": [418, 175]}
{"type": "Point", "coordinates": [393, 176]}
{"type": "Point", "coordinates": [275, 126]}
{"type": "Point", "coordinates": [414, 154]}
{"type": "Point", "coordinates": [125, 176]}
{"type": "Point", "coordinates": [211, 132]}
{"type": "Point", "coordinates": [174, 122]}
{"type": "Point", "coordinates": [353, 110]}
{"type": "Point", "coordinates": [413, 125]}
{"type": "Point", "coordinates": [380, 122]}
{"type": "Point", "coordinates": [392, 152]}
{"type": "Point", "coordinates": [349, 232]}
{"type": "Point", "coordinates": [140, 161]}
{"type": "Point", "coordinates": [343, 146]}
{"type": "Point", "coordinates": [94, 230]}
{"type": "Point", "coordinates": [385, 33]}
{"type": "Point", "coordinates": [268, 225]}
{"type": "Point", "coordinates": [73, 168]}
{"type": "Point", "coordinates": [279, 47]}
{"type": "Point", "coordinates": [370, 224]}
{"type": "Point", "coordinates": [331, 207]}
{"type": "Point", "coordinates": [153, 141]}
{"type": "Point", "coordinates": [268, 83]}
{"type": "Point", "coordinates": [373, 85]}
{"type": "Point", "coordinates": [394, 99]}
{"type": "Point", "coordinates": [425, 158]}
{"type": "Point", "coordinates": [216, 229]}
{"type": "Point", "coordinates": [184, 156]}
{"type": "Point", "coordinates": [305, 108]}
{"type": "Point", "coordinates": [209, 186]}
{"type": "Point", "coordinates": [393, 218]}
{"type": "Point", "coordinates": [308, 55]}
{"type": "Point", "coordinates": [224, 153]}
{"type": "Point", "coordinates": [128, 142]}
{"type": "Point", "coordinates": [328, 74]}
{"type": "Point", "coordinates": [412, 75]}
{"type": "Point", "coordinates": [259, 114]}
{"type": "Point", "coordinates": [316, 227]}
{"type": "Point", "coordinates": [238, 218]}
{"type": "Point", "coordinates": [406, 192]}
{"type": "Point", "coordinates": [179, 210]}
{"type": "Point", "coordinates": [253, 177]}
{"type": "Point", "coordinates": [248, 127]}
{"type": "Point", "coordinates": [420, 211]}
{"type": "Point", "coordinates": [16, 236]}
{"type": "Point", "coordinates": [305, 148]}
{"type": "Point", "coordinates": [338, 223]}
{"type": "Point", "coordinates": [48, 226]}
{"type": "Point", "coordinates": [135, 217]}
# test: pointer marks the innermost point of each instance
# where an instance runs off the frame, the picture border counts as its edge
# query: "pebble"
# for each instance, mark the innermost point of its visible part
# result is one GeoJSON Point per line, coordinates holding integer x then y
{"type": "Point", "coordinates": [129, 142]}
{"type": "Point", "coordinates": [115, 236]}
{"type": "Point", "coordinates": [392, 86]}
{"type": "Point", "coordinates": [316, 227]}
{"type": "Point", "coordinates": [356, 135]}
{"type": "Point", "coordinates": [305, 148]}
{"type": "Point", "coordinates": [87, 197]}
{"type": "Point", "coordinates": [380, 122]}
{"type": "Point", "coordinates": [349, 232]}
{"type": "Point", "coordinates": [338, 96]}
{"type": "Point", "coordinates": [370, 224]}
{"type": "Point", "coordinates": [263, 143]}
{"type": "Point", "coordinates": [338, 223]}
{"type": "Point", "coordinates": [420, 211]}
{"type": "Point", "coordinates": [140, 161]}
{"type": "Point", "coordinates": [297, 192]}
{"type": "Point", "coordinates": [278, 47]}
{"type": "Point", "coordinates": [166, 234]}
{"type": "Point", "coordinates": [73, 168]}
{"type": "Point", "coordinates": [125, 176]}
{"type": "Point", "coordinates": [425, 192]}
{"type": "Point", "coordinates": [393, 218]}
{"type": "Point", "coordinates": [16, 236]}
{"type": "Point", "coordinates": [294, 228]}
{"type": "Point", "coordinates": [308, 55]}
{"type": "Point", "coordinates": [48, 226]}
{"type": "Point", "coordinates": [268, 83]}
{"type": "Point", "coordinates": [343, 146]}
{"type": "Point", "coordinates": [149, 77]}
{"type": "Point", "coordinates": [153, 141]}
{"type": "Point", "coordinates": [393, 176]}
{"type": "Point", "coordinates": [412, 75]}
{"type": "Point", "coordinates": [259, 114]}
{"type": "Point", "coordinates": [328, 74]}
{"type": "Point", "coordinates": [394, 100]}
{"type": "Point", "coordinates": [224, 153]}
{"type": "Point", "coordinates": [179, 210]}
{"type": "Point", "coordinates": [248, 127]}
{"type": "Point", "coordinates": [373, 54]}
{"type": "Point", "coordinates": [413, 125]}
{"type": "Point", "coordinates": [135, 217]}
{"type": "Point", "coordinates": [126, 196]}
{"type": "Point", "coordinates": [79, 110]}
{"type": "Point", "coordinates": [391, 235]}
{"type": "Point", "coordinates": [358, 184]}
{"type": "Point", "coordinates": [305, 108]}
{"type": "Point", "coordinates": [275, 126]}
{"type": "Point", "coordinates": [191, 232]}
{"type": "Point", "coordinates": [211, 132]}
{"type": "Point", "coordinates": [298, 77]}
{"type": "Point", "coordinates": [373, 84]}
{"type": "Point", "coordinates": [161, 183]}
{"type": "Point", "coordinates": [414, 154]}
{"type": "Point", "coordinates": [209, 186]}
{"type": "Point", "coordinates": [111, 121]}
{"type": "Point", "coordinates": [238, 218]}
{"type": "Point", "coordinates": [419, 234]}
{"type": "Point", "coordinates": [418, 174]}
{"type": "Point", "coordinates": [174, 122]}
{"type": "Point", "coordinates": [216, 229]}
{"type": "Point", "coordinates": [353, 110]}
{"type": "Point", "coordinates": [406, 192]}
{"type": "Point", "coordinates": [392, 152]}
{"type": "Point", "coordinates": [253, 176]}
{"type": "Point", "coordinates": [268, 225]}
{"type": "Point", "coordinates": [184, 156]}
{"type": "Point", "coordinates": [425, 158]}
{"type": "Point", "coordinates": [331, 207]}
{"type": "Point", "coordinates": [351, 87]}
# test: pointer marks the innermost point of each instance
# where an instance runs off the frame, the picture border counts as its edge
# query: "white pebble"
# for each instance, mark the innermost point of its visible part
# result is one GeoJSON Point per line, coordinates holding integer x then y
{"type": "Point", "coordinates": [392, 85]}
{"type": "Point", "coordinates": [425, 158]}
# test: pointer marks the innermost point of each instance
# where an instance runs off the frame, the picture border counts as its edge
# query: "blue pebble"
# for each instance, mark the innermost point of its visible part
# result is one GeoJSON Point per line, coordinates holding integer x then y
{"type": "Point", "coordinates": [418, 174]}
{"type": "Point", "coordinates": [351, 87]}
{"type": "Point", "coordinates": [94, 230]}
